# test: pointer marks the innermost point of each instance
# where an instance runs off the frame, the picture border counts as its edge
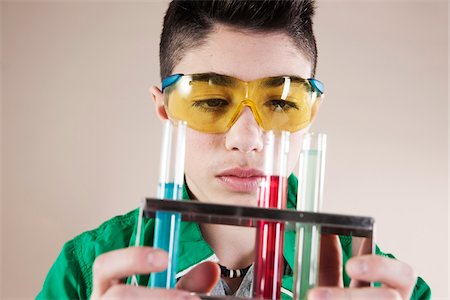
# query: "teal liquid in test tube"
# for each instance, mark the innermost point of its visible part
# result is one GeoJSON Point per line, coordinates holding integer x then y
{"type": "Point", "coordinates": [310, 186]}
{"type": "Point", "coordinates": [171, 179]}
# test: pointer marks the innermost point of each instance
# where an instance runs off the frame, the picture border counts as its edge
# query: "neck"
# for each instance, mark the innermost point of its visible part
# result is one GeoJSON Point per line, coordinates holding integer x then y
{"type": "Point", "coordinates": [228, 244]}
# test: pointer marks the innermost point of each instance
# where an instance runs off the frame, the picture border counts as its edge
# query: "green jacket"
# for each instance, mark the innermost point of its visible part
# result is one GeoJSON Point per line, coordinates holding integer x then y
{"type": "Point", "coordinates": [70, 277]}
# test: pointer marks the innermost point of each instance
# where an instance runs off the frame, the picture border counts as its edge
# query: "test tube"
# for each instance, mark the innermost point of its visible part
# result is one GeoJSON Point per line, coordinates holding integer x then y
{"type": "Point", "coordinates": [272, 193]}
{"type": "Point", "coordinates": [170, 186]}
{"type": "Point", "coordinates": [309, 198]}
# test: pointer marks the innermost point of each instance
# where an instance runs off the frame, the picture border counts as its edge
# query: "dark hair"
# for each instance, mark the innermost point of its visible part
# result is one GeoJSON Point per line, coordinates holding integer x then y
{"type": "Point", "coordinates": [187, 24]}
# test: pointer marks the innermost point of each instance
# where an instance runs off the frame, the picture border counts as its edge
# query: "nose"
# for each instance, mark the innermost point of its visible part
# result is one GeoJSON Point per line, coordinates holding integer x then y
{"type": "Point", "coordinates": [245, 135]}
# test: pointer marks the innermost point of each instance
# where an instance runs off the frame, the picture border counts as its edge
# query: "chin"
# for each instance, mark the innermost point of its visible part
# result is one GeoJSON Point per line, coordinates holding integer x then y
{"type": "Point", "coordinates": [241, 199]}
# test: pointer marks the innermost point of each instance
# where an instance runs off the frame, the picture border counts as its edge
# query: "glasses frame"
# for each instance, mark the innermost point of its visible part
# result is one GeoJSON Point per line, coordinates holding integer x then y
{"type": "Point", "coordinates": [316, 85]}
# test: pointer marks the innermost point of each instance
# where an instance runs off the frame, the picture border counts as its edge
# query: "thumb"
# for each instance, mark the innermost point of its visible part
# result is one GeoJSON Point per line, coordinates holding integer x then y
{"type": "Point", "coordinates": [330, 263]}
{"type": "Point", "coordinates": [201, 279]}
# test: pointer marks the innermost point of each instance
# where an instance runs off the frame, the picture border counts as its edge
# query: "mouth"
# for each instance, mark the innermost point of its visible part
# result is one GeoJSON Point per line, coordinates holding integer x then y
{"type": "Point", "coordinates": [242, 180]}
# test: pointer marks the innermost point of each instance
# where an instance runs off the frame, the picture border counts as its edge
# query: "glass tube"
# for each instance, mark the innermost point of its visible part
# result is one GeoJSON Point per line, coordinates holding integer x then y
{"type": "Point", "coordinates": [170, 186]}
{"type": "Point", "coordinates": [272, 193]}
{"type": "Point", "coordinates": [309, 198]}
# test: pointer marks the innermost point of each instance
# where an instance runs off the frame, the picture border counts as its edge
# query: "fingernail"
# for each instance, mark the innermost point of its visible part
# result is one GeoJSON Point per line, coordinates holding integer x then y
{"type": "Point", "coordinates": [190, 297]}
{"type": "Point", "coordinates": [151, 259]}
{"type": "Point", "coordinates": [321, 294]}
{"type": "Point", "coordinates": [154, 259]}
{"type": "Point", "coordinates": [357, 267]}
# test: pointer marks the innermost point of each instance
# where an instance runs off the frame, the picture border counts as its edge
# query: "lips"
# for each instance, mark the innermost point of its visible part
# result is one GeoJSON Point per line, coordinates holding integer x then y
{"type": "Point", "coordinates": [240, 179]}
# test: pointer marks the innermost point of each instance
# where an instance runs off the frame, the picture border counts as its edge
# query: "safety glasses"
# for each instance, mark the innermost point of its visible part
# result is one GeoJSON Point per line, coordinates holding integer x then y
{"type": "Point", "coordinates": [212, 103]}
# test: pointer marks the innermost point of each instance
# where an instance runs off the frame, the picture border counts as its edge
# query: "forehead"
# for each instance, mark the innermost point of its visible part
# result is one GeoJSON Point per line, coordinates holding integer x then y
{"type": "Point", "coordinates": [246, 55]}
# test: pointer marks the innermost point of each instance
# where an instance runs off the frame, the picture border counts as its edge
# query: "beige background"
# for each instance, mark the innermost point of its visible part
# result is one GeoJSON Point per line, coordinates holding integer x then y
{"type": "Point", "coordinates": [80, 138]}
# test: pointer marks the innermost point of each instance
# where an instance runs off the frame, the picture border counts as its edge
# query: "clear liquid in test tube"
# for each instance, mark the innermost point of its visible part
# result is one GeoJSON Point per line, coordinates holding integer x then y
{"type": "Point", "coordinates": [309, 198]}
{"type": "Point", "coordinates": [272, 193]}
{"type": "Point", "coordinates": [170, 186]}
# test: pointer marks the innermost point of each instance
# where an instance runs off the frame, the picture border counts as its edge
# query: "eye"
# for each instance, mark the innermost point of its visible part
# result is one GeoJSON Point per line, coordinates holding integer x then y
{"type": "Point", "coordinates": [281, 105]}
{"type": "Point", "coordinates": [211, 104]}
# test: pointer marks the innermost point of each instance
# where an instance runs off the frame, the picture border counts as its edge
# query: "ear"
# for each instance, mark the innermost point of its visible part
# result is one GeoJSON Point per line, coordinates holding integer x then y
{"type": "Point", "coordinates": [158, 99]}
{"type": "Point", "coordinates": [315, 107]}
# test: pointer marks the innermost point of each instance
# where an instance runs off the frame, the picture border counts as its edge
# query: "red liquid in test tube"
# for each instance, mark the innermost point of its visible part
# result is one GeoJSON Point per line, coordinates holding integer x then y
{"type": "Point", "coordinates": [269, 241]}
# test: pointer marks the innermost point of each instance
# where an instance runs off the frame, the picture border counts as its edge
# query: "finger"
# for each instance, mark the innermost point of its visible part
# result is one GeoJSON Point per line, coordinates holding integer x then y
{"type": "Point", "coordinates": [201, 279]}
{"type": "Point", "coordinates": [330, 263]}
{"type": "Point", "coordinates": [390, 272]}
{"type": "Point", "coordinates": [354, 294]}
{"type": "Point", "coordinates": [365, 247]}
{"type": "Point", "coordinates": [111, 267]}
{"type": "Point", "coordinates": [122, 291]}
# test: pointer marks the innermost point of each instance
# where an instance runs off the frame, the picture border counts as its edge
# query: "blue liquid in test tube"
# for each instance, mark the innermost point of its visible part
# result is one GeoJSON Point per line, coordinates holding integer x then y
{"type": "Point", "coordinates": [167, 232]}
{"type": "Point", "coordinates": [171, 180]}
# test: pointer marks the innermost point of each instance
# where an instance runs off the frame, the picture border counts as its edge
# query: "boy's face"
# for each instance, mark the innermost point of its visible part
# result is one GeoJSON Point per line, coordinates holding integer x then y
{"type": "Point", "coordinates": [224, 168]}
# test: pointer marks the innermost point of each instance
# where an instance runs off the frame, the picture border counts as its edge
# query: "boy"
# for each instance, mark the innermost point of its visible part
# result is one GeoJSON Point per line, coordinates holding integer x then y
{"type": "Point", "coordinates": [229, 43]}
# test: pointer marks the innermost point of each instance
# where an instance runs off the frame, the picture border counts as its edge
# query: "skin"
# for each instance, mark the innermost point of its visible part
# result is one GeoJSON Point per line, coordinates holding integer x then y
{"type": "Point", "coordinates": [247, 56]}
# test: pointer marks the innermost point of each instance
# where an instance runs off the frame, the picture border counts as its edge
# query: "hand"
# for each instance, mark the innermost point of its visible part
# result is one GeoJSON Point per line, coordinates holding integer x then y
{"type": "Point", "coordinates": [397, 278]}
{"type": "Point", "coordinates": [110, 268]}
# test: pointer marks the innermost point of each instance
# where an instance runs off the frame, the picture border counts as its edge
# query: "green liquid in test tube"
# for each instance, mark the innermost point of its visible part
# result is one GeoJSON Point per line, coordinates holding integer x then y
{"type": "Point", "coordinates": [311, 173]}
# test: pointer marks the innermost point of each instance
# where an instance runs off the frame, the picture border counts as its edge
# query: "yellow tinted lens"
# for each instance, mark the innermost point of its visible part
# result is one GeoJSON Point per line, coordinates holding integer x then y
{"type": "Point", "coordinates": [284, 103]}
{"type": "Point", "coordinates": [205, 105]}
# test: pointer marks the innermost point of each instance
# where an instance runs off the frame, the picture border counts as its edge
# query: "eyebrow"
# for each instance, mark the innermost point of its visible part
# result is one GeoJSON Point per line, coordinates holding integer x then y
{"type": "Point", "coordinates": [216, 79]}
{"type": "Point", "coordinates": [277, 81]}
